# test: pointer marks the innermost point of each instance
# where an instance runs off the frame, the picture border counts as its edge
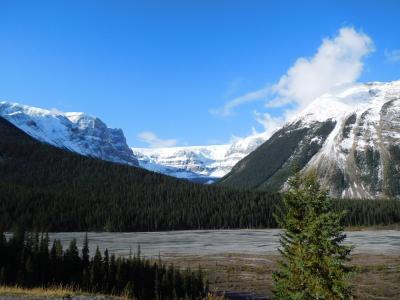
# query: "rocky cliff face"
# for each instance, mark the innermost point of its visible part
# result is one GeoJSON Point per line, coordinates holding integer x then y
{"type": "Point", "coordinates": [350, 137]}
{"type": "Point", "coordinates": [76, 132]}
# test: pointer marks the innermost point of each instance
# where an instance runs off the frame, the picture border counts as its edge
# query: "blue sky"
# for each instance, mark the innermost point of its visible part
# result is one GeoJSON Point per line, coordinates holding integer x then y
{"type": "Point", "coordinates": [165, 71]}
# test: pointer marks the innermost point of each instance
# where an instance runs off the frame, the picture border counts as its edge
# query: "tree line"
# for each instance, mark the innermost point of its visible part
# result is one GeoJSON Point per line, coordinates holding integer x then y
{"type": "Point", "coordinates": [50, 189]}
{"type": "Point", "coordinates": [27, 260]}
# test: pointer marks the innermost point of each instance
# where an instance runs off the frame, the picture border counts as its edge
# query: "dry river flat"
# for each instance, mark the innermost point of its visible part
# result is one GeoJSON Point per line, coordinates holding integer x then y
{"type": "Point", "coordinates": [243, 260]}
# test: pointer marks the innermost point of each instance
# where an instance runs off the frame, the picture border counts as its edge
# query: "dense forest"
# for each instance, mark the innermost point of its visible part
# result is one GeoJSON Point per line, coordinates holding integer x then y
{"type": "Point", "coordinates": [50, 189]}
{"type": "Point", "coordinates": [27, 260]}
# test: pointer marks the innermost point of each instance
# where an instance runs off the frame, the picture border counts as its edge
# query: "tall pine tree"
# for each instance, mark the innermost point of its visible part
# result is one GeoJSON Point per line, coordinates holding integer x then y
{"type": "Point", "coordinates": [313, 264]}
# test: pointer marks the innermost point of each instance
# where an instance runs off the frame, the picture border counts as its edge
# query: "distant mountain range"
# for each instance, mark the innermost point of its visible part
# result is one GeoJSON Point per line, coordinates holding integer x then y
{"type": "Point", "coordinates": [351, 137]}
{"type": "Point", "coordinates": [198, 163]}
{"type": "Point", "coordinates": [43, 187]}
{"type": "Point", "coordinates": [90, 136]}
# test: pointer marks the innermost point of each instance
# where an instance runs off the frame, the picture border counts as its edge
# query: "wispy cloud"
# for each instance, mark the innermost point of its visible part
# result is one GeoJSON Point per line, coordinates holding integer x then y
{"type": "Point", "coordinates": [153, 141]}
{"type": "Point", "coordinates": [233, 87]}
{"type": "Point", "coordinates": [269, 122]}
{"type": "Point", "coordinates": [227, 109]}
{"type": "Point", "coordinates": [392, 56]}
{"type": "Point", "coordinates": [337, 61]}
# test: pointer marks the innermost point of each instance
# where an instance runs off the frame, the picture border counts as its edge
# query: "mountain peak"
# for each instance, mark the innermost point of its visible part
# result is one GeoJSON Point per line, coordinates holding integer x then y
{"type": "Point", "coordinates": [350, 136]}
{"type": "Point", "coordinates": [74, 131]}
{"type": "Point", "coordinates": [344, 99]}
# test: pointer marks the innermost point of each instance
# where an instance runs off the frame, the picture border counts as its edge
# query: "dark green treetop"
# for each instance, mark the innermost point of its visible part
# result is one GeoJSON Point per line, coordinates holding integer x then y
{"type": "Point", "coordinates": [313, 264]}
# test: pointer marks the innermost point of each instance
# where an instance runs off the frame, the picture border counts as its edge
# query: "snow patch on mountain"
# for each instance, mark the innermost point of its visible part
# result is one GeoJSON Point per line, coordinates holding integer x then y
{"type": "Point", "coordinates": [198, 162]}
{"type": "Point", "coordinates": [349, 136]}
{"type": "Point", "coordinates": [363, 147]}
{"type": "Point", "coordinates": [73, 131]}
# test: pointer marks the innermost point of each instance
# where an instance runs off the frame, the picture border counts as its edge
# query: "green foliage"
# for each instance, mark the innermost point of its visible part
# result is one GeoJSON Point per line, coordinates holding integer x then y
{"type": "Point", "coordinates": [50, 189]}
{"type": "Point", "coordinates": [269, 166]}
{"type": "Point", "coordinates": [368, 212]}
{"type": "Point", "coordinates": [314, 260]}
{"type": "Point", "coordinates": [27, 263]}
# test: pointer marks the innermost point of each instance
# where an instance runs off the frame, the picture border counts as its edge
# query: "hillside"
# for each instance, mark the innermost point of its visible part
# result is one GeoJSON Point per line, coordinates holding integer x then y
{"type": "Point", "coordinates": [74, 131]}
{"type": "Point", "coordinates": [45, 187]}
{"type": "Point", "coordinates": [90, 136]}
{"type": "Point", "coordinates": [351, 137]}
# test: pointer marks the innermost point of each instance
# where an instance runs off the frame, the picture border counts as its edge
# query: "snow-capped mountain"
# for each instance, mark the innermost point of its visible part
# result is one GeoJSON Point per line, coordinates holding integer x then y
{"type": "Point", "coordinates": [87, 135]}
{"type": "Point", "coordinates": [73, 131]}
{"type": "Point", "coordinates": [197, 163]}
{"type": "Point", "coordinates": [350, 136]}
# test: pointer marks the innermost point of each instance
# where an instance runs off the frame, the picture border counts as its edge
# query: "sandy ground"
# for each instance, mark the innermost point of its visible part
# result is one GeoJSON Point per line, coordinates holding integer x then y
{"type": "Point", "coordinates": [378, 276]}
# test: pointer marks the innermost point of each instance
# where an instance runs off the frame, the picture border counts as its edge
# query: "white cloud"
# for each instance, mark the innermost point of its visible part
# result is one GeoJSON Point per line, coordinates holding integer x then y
{"type": "Point", "coordinates": [338, 61]}
{"type": "Point", "coordinates": [233, 87]}
{"type": "Point", "coordinates": [154, 141]}
{"type": "Point", "coordinates": [269, 122]}
{"type": "Point", "coordinates": [227, 109]}
{"type": "Point", "coordinates": [392, 55]}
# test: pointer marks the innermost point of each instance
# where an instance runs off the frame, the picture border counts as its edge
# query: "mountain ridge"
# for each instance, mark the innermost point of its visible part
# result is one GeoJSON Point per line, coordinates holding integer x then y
{"type": "Point", "coordinates": [88, 135]}
{"type": "Point", "coordinates": [74, 131]}
{"type": "Point", "coordinates": [350, 136]}
{"type": "Point", "coordinates": [208, 163]}
{"type": "Point", "coordinates": [43, 187]}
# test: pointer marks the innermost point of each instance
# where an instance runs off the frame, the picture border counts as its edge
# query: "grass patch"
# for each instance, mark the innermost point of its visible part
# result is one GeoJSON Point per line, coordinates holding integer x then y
{"type": "Point", "coordinates": [61, 292]}
{"type": "Point", "coordinates": [48, 292]}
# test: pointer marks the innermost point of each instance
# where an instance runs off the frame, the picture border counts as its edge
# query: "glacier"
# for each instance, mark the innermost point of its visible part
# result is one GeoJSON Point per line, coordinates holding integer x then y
{"type": "Point", "coordinates": [204, 164]}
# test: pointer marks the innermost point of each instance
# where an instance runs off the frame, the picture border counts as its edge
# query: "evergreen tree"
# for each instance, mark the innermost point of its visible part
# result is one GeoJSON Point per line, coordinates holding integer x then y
{"type": "Point", "coordinates": [85, 262]}
{"type": "Point", "coordinates": [2, 275]}
{"type": "Point", "coordinates": [56, 254]}
{"type": "Point", "coordinates": [29, 272]}
{"type": "Point", "coordinates": [43, 259]}
{"type": "Point", "coordinates": [85, 253]}
{"type": "Point", "coordinates": [73, 263]}
{"type": "Point", "coordinates": [28, 263]}
{"type": "Point", "coordinates": [96, 270]}
{"type": "Point", "coordinates": [314, 260]}
{"type": "Point", "coordinates": [3, 252]}
{"type": "Point", "coordinates": [112, 274]}
{"type": "Point", "coordinates": [106, 270]}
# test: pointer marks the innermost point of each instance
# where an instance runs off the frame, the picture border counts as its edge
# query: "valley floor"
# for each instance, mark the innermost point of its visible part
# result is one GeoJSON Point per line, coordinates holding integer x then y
{"type": "Point", "coordinates": [377, 277]}
{"type": "Point", "coordinates": [13, 293]}
{"type": "Point", "coordinates": [244, 260]}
